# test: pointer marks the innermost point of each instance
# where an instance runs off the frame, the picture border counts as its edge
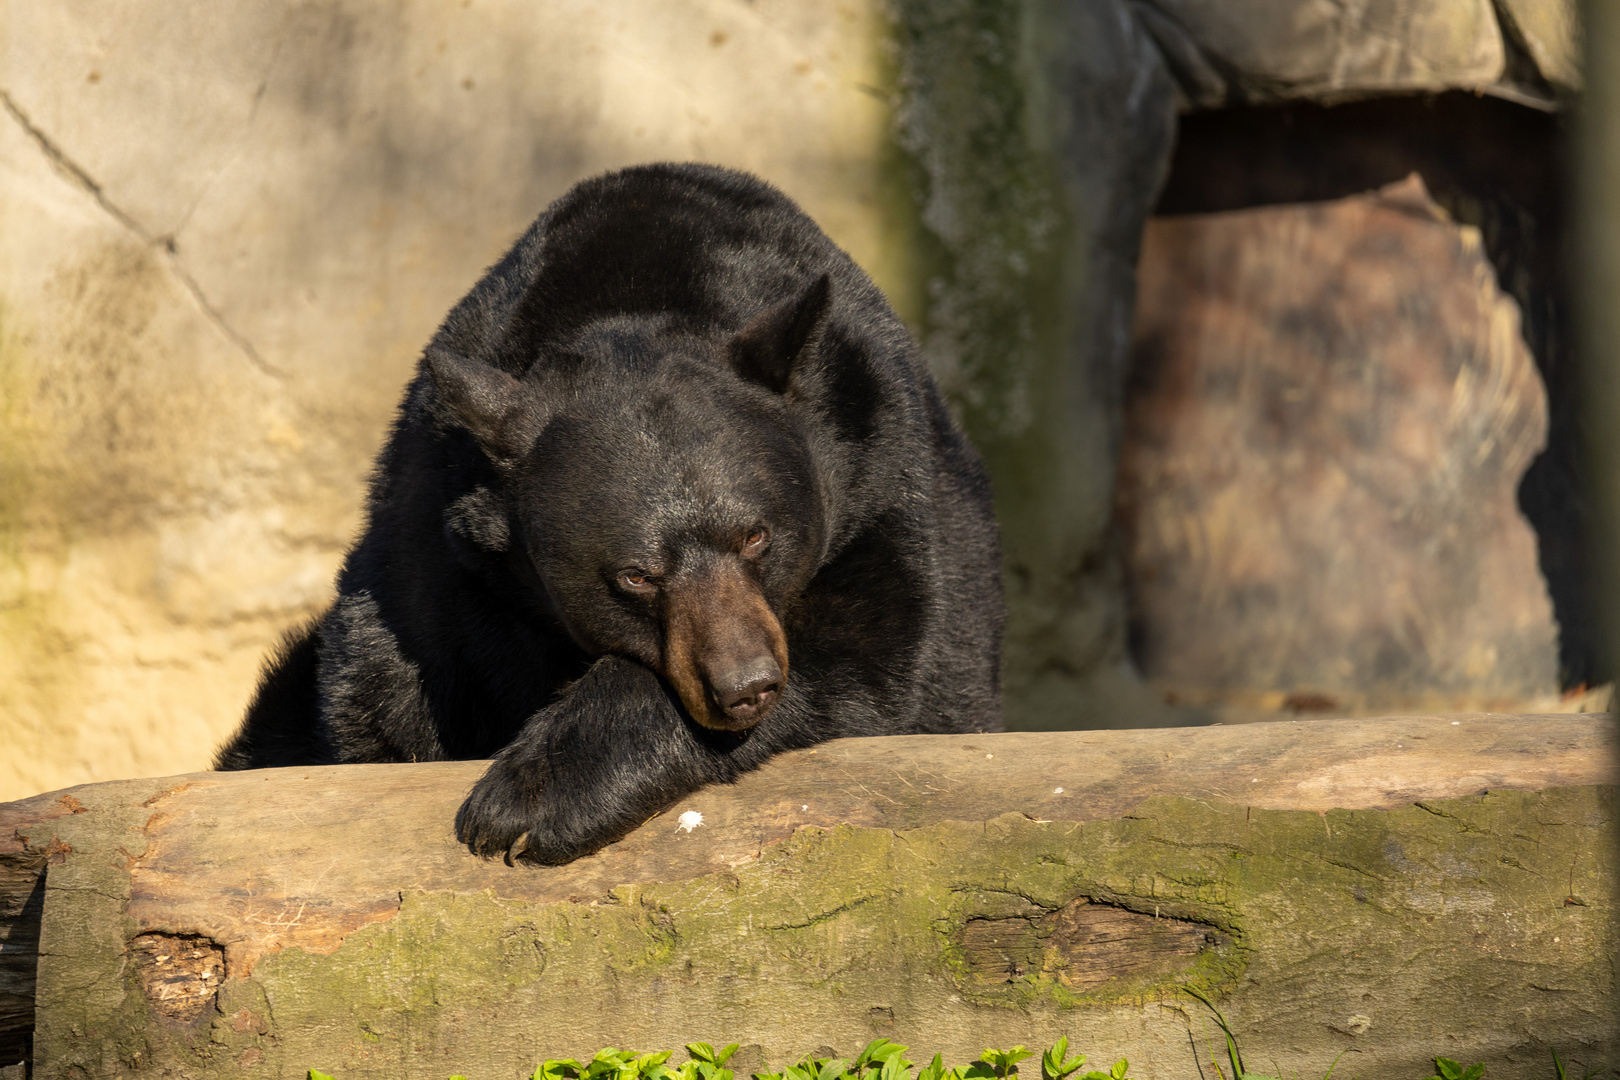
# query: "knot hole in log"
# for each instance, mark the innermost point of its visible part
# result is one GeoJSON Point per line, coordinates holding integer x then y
{"type": "Point", "coordinates": [1082, 944]}
{"type": "Point", "coordinates": [178, 973]}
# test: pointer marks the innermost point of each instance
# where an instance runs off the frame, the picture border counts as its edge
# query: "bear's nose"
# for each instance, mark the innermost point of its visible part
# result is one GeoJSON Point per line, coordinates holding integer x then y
{"type": "Point", "coordinates": [750, 690]}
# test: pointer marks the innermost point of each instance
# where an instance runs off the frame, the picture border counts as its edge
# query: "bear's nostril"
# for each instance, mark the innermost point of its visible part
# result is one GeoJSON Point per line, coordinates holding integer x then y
{"type": "Point", "coordinates": [751, 696]}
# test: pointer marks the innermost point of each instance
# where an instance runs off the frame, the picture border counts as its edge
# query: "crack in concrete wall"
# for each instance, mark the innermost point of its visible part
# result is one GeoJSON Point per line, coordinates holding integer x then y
{"type": "Point", "coordinates": [65, 167]}
{"type": "Point", "coordinates": [247, 125]}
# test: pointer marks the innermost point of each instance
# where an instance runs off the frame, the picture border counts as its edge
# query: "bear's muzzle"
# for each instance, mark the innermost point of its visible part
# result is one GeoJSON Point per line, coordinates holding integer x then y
{"type": "Point", "coordinates": [724, 651]}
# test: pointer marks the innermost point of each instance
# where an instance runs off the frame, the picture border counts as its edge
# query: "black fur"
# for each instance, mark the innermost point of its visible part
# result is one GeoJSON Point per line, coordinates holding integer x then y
{"type": "Point", "coordinates": [671, 356]}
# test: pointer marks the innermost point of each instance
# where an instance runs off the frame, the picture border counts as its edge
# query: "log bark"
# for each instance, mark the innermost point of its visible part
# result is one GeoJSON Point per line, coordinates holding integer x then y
{"type": "Point", "coordinates": [1396, 888]}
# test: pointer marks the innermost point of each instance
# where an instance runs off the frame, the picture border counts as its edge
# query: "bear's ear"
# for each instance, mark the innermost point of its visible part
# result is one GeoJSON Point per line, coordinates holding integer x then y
{"type": "Point", "coordinates": [775, 341]}
{"type": "Point", "coordinates": [500, 412]}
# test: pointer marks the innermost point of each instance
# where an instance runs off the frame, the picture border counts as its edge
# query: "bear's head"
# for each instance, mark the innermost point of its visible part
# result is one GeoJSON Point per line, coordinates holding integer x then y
{"type": "Point", "coordinates": [658, 485]}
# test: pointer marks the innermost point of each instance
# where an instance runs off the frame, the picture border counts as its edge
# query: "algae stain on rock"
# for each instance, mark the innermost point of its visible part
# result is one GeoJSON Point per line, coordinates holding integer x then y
{"type": "Point", "coordinates": [988, 223]}
{"type": "Point", "coordinates": [827, 916]}
{"type": "Point", "coordinates": [1009, 120]}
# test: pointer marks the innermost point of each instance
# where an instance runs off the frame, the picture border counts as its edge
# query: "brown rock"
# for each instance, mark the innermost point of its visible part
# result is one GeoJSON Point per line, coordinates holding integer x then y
{"type": "Point", "coordinates": [1550, 31]}
{"type": "Point", "coordinates": [1269, 49]}
{"type": "Point", "coordinates": [1332, 409]}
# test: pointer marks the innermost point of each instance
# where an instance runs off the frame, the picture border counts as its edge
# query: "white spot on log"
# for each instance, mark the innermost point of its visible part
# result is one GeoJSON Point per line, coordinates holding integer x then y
{"type": "Point", "coordinates": [688, 821]}
{"type": "Point", "coordinates": [987, 757]}
{"type": "Point", "coordinates": [1454, 723]}
{"type": "Point", "coordinates": [1057, 791]}
{"type": "Point", "coordinates": [806, 807]}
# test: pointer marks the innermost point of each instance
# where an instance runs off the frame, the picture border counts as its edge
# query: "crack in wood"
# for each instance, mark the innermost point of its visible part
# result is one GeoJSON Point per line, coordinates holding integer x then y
{"type": "Point", "coordinates": [1082, 944]}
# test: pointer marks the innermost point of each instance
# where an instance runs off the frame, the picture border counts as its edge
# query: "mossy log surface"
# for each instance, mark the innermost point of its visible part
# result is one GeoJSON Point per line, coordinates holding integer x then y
{"type": "Point", "coordinates": [1396, 888]}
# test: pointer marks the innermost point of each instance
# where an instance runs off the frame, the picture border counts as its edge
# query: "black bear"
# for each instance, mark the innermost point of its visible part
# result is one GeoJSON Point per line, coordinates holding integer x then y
{"type": "Point", "coordinates": [672, 491]}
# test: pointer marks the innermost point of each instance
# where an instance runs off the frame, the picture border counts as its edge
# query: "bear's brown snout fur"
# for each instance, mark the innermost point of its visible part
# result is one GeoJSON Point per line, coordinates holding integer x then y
{"type": "Point", "coordinates": [724, 650]}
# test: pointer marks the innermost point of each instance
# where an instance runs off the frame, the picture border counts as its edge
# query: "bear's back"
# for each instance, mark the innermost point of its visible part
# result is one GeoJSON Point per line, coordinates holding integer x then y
{"type": "Point", "coordinates": [708, 246]}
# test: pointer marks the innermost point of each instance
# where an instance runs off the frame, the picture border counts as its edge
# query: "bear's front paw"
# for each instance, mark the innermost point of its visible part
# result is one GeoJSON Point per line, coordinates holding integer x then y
{"type": "Point", "coordinates": [505, 815]}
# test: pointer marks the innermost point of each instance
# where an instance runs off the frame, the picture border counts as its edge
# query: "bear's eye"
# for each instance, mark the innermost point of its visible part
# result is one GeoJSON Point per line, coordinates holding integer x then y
{"type": "Point", "coordinates": [756, 540]}
{"type": "Point", "coordinates": [635, 581]}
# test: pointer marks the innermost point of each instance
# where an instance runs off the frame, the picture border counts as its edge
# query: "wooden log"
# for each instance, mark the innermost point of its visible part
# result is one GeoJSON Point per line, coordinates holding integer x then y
{"type": "Point", "coordinates": [1395, 888]}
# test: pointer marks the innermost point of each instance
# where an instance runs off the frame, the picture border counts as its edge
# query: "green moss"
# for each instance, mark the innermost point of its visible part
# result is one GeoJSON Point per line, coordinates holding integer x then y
{"type": "Point", "coordinates": [1013, 277]}
{"type": "Point", "coordinates": [835, 934]}
{"type": "Point", "coordinates": [986, 222]}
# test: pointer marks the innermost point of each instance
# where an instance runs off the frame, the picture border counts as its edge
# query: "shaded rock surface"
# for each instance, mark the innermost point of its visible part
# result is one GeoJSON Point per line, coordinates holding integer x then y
{"type": "Point", "coordinates": [1037, 136]}
{"type": "Point", "coordinates": [1290, 48]}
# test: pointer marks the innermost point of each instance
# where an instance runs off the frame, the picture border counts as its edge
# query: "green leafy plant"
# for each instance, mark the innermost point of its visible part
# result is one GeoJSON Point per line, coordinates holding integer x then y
{"type": "Point", "coordinates": [611, 1063]}
{"type": "Point", "coordinates": [885, 1060]}
{"type": "Point", "coordinates": [1234, 1056]}
{"type": "Point", "coordinates": [1004, 1063]}
{"type": "Point", "coordinates": [810, 1068]}
{"type": "Point", "coordinates": [1053, 1063]}
{"type": "Point", "coordinates": [882, 1059]}
{"type": "Point", "coordinates": [1446, 1069]}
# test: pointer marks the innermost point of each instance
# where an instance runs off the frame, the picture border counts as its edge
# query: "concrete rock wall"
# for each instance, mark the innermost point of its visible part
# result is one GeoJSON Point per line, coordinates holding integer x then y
{"type": "Point", "coordinates": [228, 231]}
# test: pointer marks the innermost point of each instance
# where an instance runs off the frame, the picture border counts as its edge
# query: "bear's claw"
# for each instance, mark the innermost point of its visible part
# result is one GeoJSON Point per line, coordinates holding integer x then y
{"type": "Point", "coordinates": [495, 825]}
